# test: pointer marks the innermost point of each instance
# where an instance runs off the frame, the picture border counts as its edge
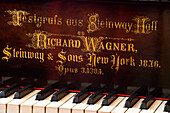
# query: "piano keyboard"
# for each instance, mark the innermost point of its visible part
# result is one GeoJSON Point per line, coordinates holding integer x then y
{"type": "Point", "coordinates": [29, 100]}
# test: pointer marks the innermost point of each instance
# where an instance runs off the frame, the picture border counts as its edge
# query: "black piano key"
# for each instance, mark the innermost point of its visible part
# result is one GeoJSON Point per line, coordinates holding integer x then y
{"type": "Point", "coordinates": [94, 97]}
{"type": "Point", "coordinates": [24, 91]}
{"type": "Point", "coordinates": [147, 102]}
{"type": "Point", "coordinates": [83, 94]}
{"type": "Point", "coordinates": [111, 96]}
{"type": "Point", "coordinates": [133, 98]}
{"type": "Point", "coordinates": [97, 95]}
{"type": "Point", "coordinates": [59, 94]}
{"type": "Point", "coordinates": [167, 106]}
{"type": "Point", "coordinates": [80, 96]}
{"type": "Point", "coordinates": [44, 93]}
{"type": "Point", "coordinates": [63, 91]}
{"type": "Point", "coordinates": [49, 90]}
{"type": "Point", "coordinates": [9, 90]}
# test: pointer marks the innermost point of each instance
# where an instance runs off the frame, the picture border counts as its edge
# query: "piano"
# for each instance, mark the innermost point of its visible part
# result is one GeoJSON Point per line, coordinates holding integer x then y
{"type": "Point", "coordinates": [85, 56]}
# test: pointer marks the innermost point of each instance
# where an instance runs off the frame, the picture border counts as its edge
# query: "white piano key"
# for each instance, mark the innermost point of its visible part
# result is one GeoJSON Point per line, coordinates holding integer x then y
{"type": "Point", "coordinates": [40, 106]}
{"type": "Point", "coordinates": [53, 106]}
{"type": "Point", "coordinates": [120, 108]}
{"type": "Point", "coordinates": [108, 109]}
{"type": "Point", "coordinates": [26, 107]}
{"type": "Point", "coordinates": [161, 108]}
{"type": "Point", "coordinates": [4, 102]}
{"type": "Point", "coordinates": [79, 108]}
{"type": "Point", "coordinates": [94, 108]}
{"type": "Point", "coordinates": [14, 105]}
{"type": "Point", "coordinates": [135, 108]}
{"type": "Point", "coordinates": [153, 107]}
{"type": "Point", "coordinates": [66, 107]}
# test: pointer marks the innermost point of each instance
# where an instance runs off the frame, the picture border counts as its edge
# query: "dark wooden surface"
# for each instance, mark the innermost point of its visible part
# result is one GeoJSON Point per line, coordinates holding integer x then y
{"type": "Point", "coordinates": [153, 46]}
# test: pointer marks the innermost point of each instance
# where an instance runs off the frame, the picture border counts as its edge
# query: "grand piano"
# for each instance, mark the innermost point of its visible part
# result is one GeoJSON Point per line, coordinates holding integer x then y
{"type": "Point", "coordinates": [85, 56]}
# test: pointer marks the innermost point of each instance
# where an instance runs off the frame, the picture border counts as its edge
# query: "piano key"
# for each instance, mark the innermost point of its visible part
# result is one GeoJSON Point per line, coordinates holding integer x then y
{"type": "Point", "coordinates": [167, 106]}
{"type": "Point", "coordinates": [45, 93]}
{"type": "Point", "coordinates": [27, 106]}
{"type": "Point", "coordinates": [135, 108]}
{"type": "Point", "coordinates": [66, 107]}
{"type": "Point", "coordinates": [148, 100]}
{"type": "Point", "coordinates": [97, 94]}
{"type": "Point", "coordinates": [133, 98]}
{"type": "Point", "coordinates": [50, 89]}
{"type": "Point", "coordinates": [4, 102]}
{"type": "Point", "coordinates": [63, 91]}
{"type": "Point", "coordinates": [161, 108]}
{"type": "Point", "coordinates": [94, 108]}
{"type": "Point", "coordinates": [94, 97]}
{"type": "Point", "coordinates": [39, 107]}
{"type": "Point", "coordinates": [120, 108]}
{"type": "Point", "coordinates": [9, 90]}
{"type": "Point", "coordinates": [80, 108]}
{"type": "Point", "coordinates": [83, 94]}
{"type": "Point", "coordinates": [111, 96]}
{"type": "Point", "coordinates": [14, 105]}
{"type": "Point", "coordinates": [108, 109]}
{"type": "Point", "coordinates": [54, 106]}
{"type": "Point", "coordinates": [153, 107]}
{"type": "Point", "coordinates": [59, 94]}
{"type": "Point", "coordinates": [22, 92]}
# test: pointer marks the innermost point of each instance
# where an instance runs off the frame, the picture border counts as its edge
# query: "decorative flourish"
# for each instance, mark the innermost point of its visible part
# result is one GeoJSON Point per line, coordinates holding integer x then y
{"type": "Point", "coordinates": [92, 23]}
{"type": "Point", "coordinates": [122, 39]}
{"type": "Point", "coordinates": [91, 43]}
{"type": "Point", "coordinates": [16, 17]}
{"type": "Point", "coordinates": [39, 40]}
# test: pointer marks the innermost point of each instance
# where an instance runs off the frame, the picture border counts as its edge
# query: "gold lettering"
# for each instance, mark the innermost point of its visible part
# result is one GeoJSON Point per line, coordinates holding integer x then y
{"type": "Point", "coordinates": [60, 63]}
{"type": "Point", "coordinates": [94, 60]}
{"type": "Point", "coordinates": [57, 42]}
{"type": "Point", "coordinates": [101, 46]}
{"type": "Point", "coordinates": [22, 54]}
{"type": "Point", "coordinates": [7, 52]}
{"type": "Point", "coordinates": [75, 58]}
{"type": "Point", "coordinates": [41, 40]}
{"type": "Point", "coordinates": [24, 19]}
{"type": "Point", "coordinates": [39, 22]}
{"type": "Point", "coordinates": [59, 22]}
{"type": "Point", "coordinates": [19, 17]}
{"type": "Point", "coordinates": [123, 47]}
{"type": "Point", "coordinates": [44, 20]}
{"type": "Point", "coordinates": [109, 46]}
{"type": "Point", "coordinates": [117, 61]}
{"type": "Point", "coordinates": [80, 24]}
{"type": "Point", "coordinates": [91, 43]}
{"type": "Point", "coordinates": [131, 48]}
{"type": "Point", "coordinates": [116, 46]}
{"type": "Point", "coordinates": [64, 43]}
{"type": "Point", "coordinates": [91, 58]}
{"type": "Point", "coordinates": [50, 20]}
{"type": "Point", "coordinates": [30, 19]}
{"type": "Point", "coordinates": [143, 26]}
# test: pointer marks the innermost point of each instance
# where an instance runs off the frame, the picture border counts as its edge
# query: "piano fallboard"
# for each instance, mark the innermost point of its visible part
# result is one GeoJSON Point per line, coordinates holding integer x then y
{"type": "Point", "coordinates": [87, 41]}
